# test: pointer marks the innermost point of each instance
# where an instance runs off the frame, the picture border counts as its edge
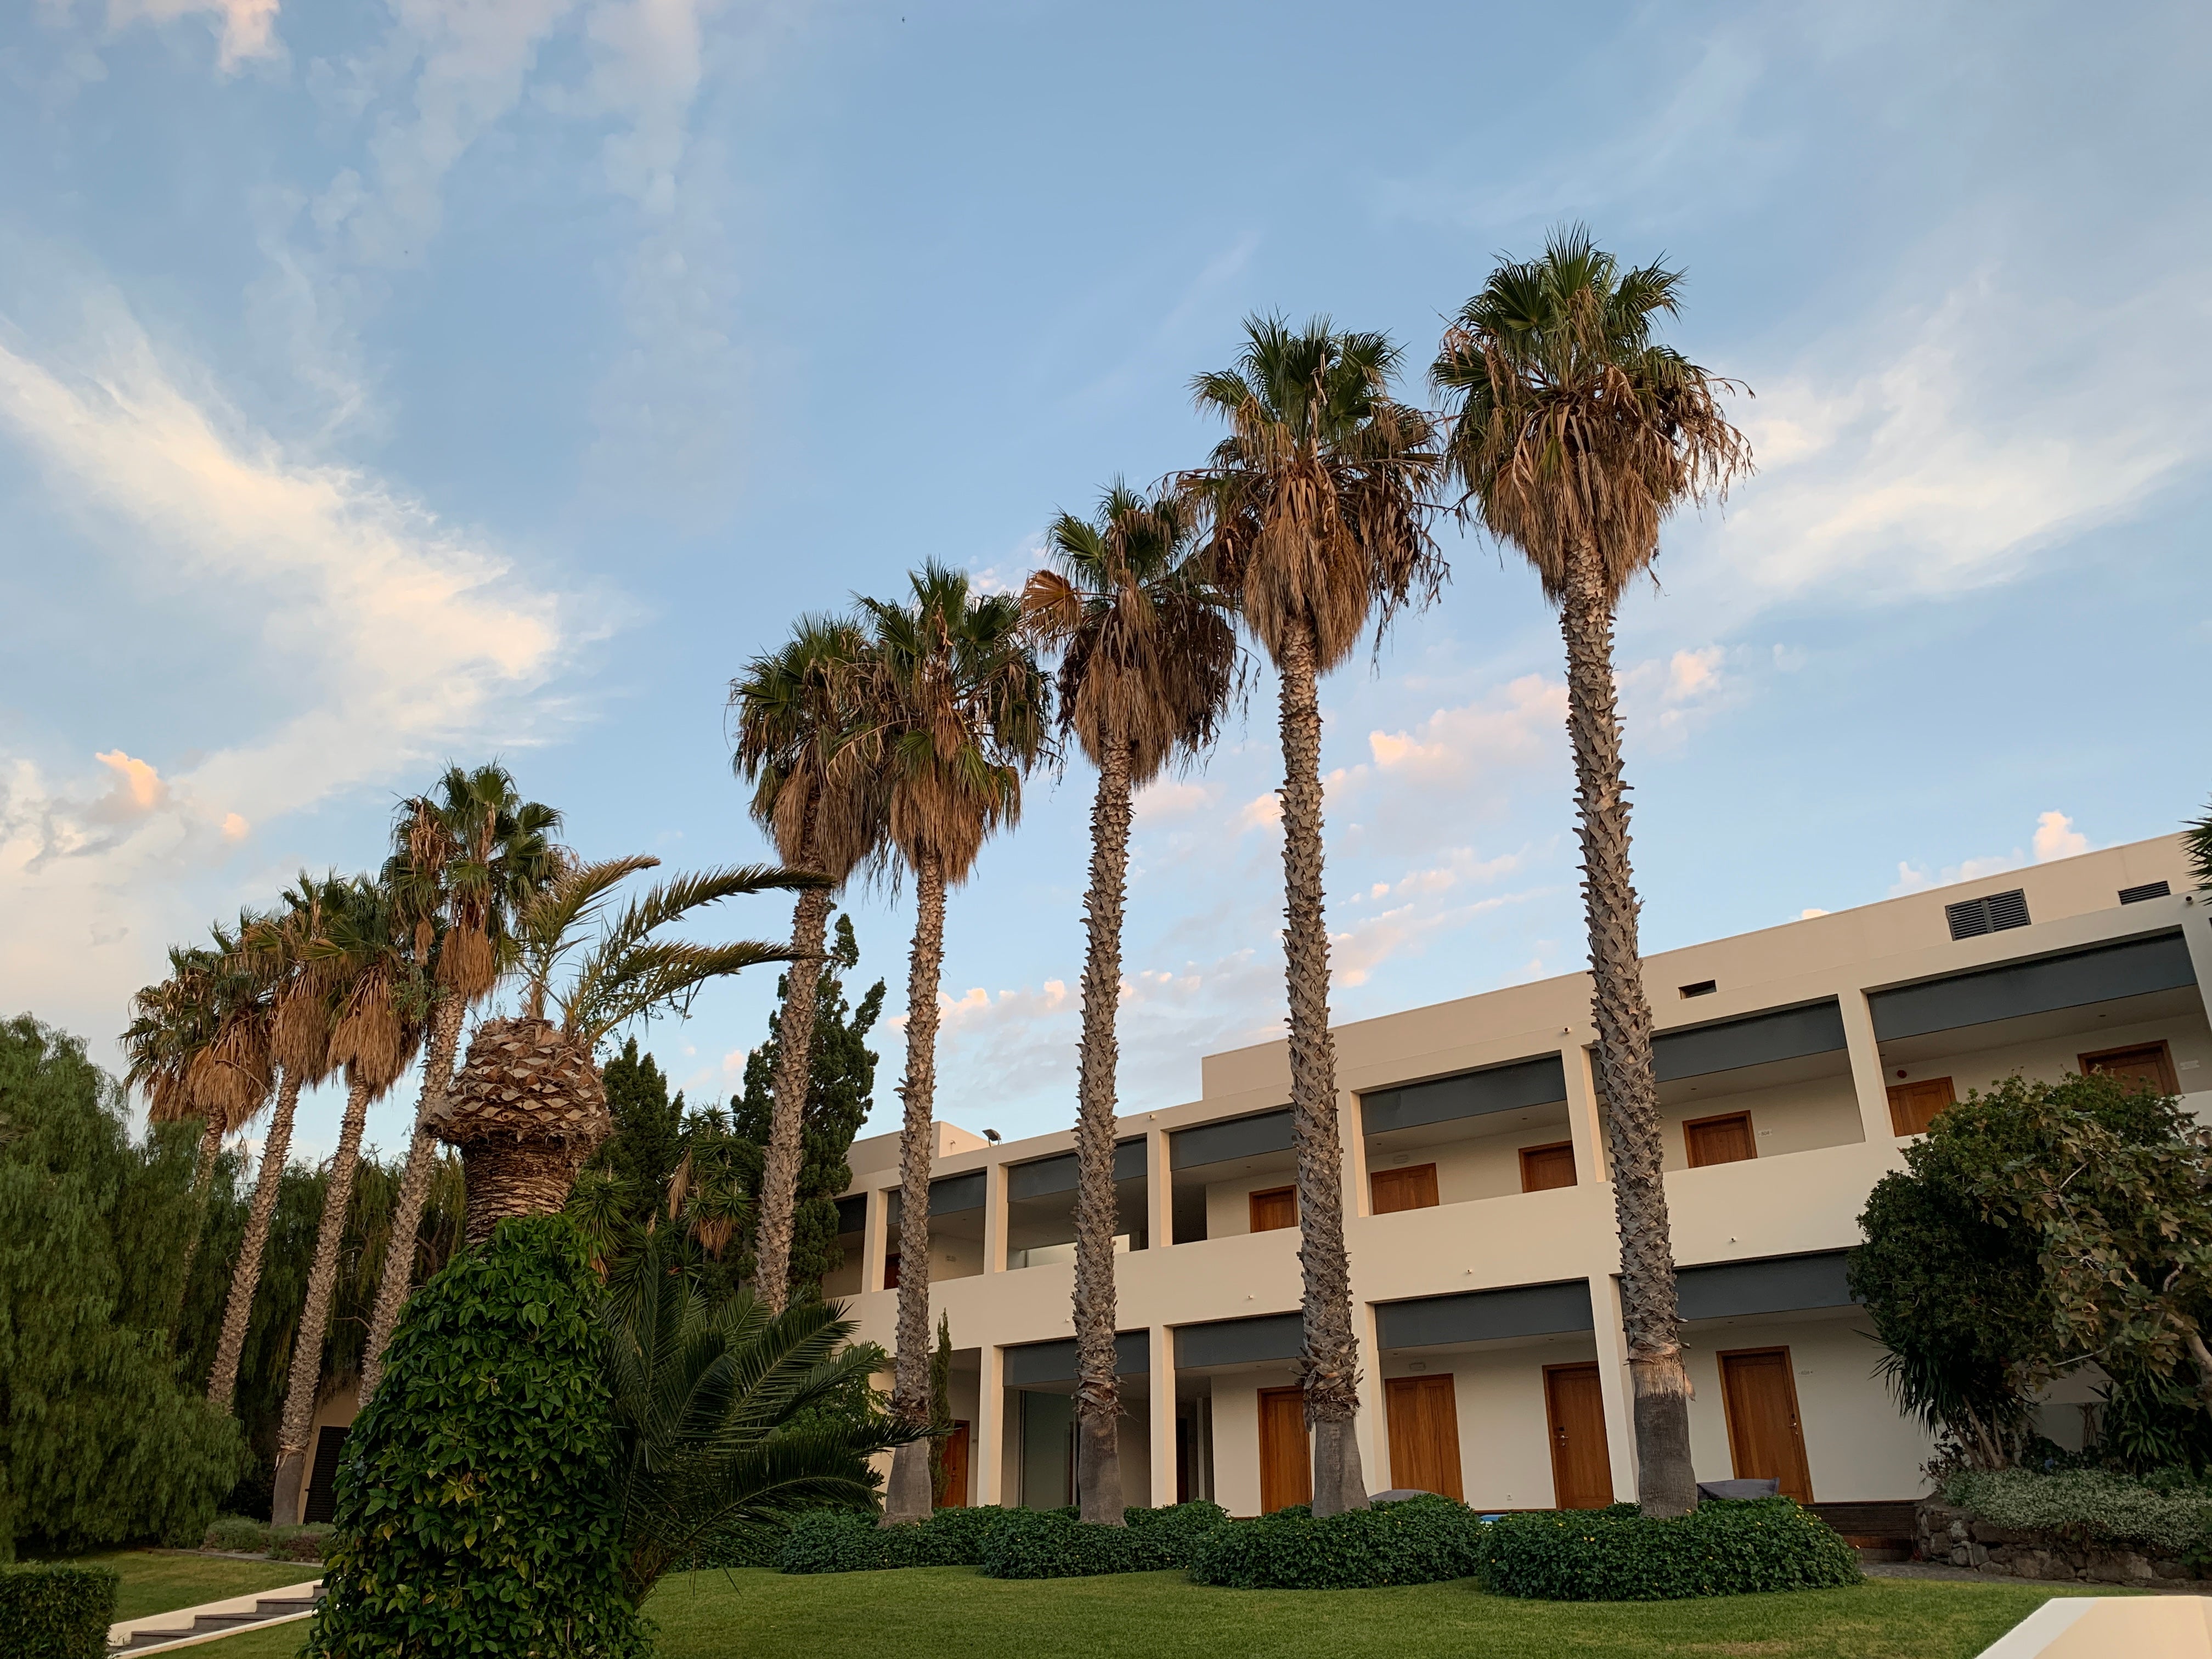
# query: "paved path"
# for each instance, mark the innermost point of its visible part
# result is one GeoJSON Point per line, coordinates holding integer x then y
{"type": "Point", "coordinates": [184, 1627]}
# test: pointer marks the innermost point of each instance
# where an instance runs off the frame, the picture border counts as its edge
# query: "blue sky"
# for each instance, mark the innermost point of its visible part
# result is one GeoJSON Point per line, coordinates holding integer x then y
{"type": "Point", "coordinates": [384, 383]}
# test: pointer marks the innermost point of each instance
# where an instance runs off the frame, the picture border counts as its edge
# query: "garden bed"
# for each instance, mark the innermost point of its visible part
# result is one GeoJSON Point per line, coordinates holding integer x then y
{"type": "Point", "coordinates": [2086, 1526]}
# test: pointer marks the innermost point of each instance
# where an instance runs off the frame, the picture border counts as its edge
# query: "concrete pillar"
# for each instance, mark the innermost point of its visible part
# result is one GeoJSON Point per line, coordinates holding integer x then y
{"type": "Point", "coordinates": [2197, 929]}
{"type": "Point", "coordinates": [1584, 1124]}
{"type": "Point", "coordinates": [1373, 1427]}
{"type": "Point", "coordinates": [995, 1218]}
{"type": "Point", "coordinates": [1352, 1134]}
{"type": "Point", "coordinates": [988, 1445]}
{"type": "Point", "coordinates": [1867, 1081]}
{"type": "Point", "coordinates": [1162, 1382]}
{"type": "Point", "coordinates": [1613, 1385]}
{"type": "Point", "coordinates": [1159, 1196]}
{"type": "Point", "coordinates": [875, 1236]}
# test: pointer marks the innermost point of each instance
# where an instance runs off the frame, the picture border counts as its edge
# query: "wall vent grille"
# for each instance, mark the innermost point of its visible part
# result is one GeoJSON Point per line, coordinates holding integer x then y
{"type": "Point", "coordinates": [1704, 987]}
{"type": "Point", "coordinates": [1972, 918]}
{"type": "Point", "coordinates": [2150, 889]}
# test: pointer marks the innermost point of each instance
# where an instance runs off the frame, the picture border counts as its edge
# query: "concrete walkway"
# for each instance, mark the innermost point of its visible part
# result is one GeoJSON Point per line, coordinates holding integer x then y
{"type": "Point", "coordinates": [184, 1627]}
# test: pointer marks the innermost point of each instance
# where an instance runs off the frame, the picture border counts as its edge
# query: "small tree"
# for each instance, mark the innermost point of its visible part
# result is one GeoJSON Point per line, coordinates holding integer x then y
{"type": "Point", "coordinates": [940, 1411]}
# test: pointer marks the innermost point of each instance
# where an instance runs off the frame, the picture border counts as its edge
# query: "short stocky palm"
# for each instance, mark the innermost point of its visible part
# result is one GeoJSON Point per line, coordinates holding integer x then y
{"type": "Point", "coordinates": [462, 858]}
{"type": "Point", "coordinates": [1318, 504]}
{"type": "Point", "coordinates": [793, 709]}
{"type": "Point", "coordinates": [1576, 435]}
{"type": "Point", "coordinates": [952, 708]}
{"type": "Point", "coordinates": [1148, 657]}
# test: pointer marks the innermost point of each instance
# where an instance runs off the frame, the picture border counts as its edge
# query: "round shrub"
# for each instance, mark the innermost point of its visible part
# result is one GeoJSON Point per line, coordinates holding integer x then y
{"type": "Point", "coordinates": [475, 1509]}
{"type": "Point", "coordinates": [1422, 1541]}
{"type": "Point", "coordinates": [1616, 1554]}
{"type": "Point", "coordinates": [1055, 1544]}
{"type": "Point", "coordinates": [240, 1534]}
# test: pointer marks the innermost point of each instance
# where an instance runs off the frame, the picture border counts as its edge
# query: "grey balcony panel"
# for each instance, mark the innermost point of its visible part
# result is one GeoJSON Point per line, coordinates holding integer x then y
{"type": "Point", "coordinates": [1054, 1362]}
{"type": "Point", "coordinates": [1057, 1174]}
{"type": "Point", "coordinates": [1239, 1341]}
{"type": "Point", "coordinates": [852, 1214]}
{"type": "Point", "coordinates": [1754, 1040]}
{"type": "Point", "coordinates": [1781, 1284]}
{"type": "Point", "coordinates": [1486, 1316]}
{"type": "Point", "coordinates": [949, 1195]}
{"type": "Point", "coordinates": [1535, 1082]}
{"type": "Point", "coordinates": [2109, 971]}
{"type": "Point", "coordinates": [1239, 1137]}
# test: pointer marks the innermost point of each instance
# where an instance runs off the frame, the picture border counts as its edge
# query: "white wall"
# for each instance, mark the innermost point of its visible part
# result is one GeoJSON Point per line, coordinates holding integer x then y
{"type": "Point", "coordinates": [1793, 1117]}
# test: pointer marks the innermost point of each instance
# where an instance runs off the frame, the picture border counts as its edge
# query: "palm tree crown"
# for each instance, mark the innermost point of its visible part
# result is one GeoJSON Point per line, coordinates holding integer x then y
{"type": "Point", "coordinates": [794, 707]}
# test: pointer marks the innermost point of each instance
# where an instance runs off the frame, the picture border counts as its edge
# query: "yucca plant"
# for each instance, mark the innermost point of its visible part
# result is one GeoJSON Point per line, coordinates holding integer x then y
{"type": "Point", "coordinates": [529, 1106]}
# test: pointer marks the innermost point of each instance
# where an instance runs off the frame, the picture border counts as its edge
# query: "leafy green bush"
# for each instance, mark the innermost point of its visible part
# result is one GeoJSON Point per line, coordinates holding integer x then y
{"type": "Point", "coordinates": [56, 1613]}
{"type": "Point", "coordinates": [1055, 1544]}
{"type": "Point", "coordinates": [1422, 1541]}
{"type": "Point", "coordinates": [298, 1543]}
{"type": "Point", "coordinates": [848, 1541]}
{"type": "Point", "coordinates": [474, 1507]}
{"type": "Point", "coordinates": [241, 1534]}
{"type": "Point", "coordinates": [1617, 1555]}
{"type": "Point", "coordinates": [2170, 1512]}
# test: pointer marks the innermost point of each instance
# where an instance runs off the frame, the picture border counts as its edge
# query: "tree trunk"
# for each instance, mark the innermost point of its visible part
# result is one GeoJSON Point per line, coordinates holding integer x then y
{"type": "Point", "coordinates": [303, 1383]}
{"type": "Point", "coordinates": [1329, 1365]}
{"type": "Point", "coordinates": [909, 1496]}
{"type": "Point", "coordinates": [1098, 1387]}
{"type": "Point", "coordinates": [246, 1277]}
{"type": "Point", "coordinates": [794, 1072]}
{"type": "Point", "coordinates": [414, 1187]}
{"type": "Point", "coordinates": [1666, 1482]}
{"type": "Point", "coordinates": [203, 1185]}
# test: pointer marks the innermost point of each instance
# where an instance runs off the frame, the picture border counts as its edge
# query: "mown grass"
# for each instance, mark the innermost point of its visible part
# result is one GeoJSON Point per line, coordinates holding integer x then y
{"type": "Point", "coordinates": [161, 1580]}
{"type": "Point", "coordinates": [927, 1611]}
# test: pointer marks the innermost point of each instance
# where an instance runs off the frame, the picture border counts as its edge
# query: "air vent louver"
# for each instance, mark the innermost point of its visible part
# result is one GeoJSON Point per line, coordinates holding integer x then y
{"type": "Point", "coordinates": [2150, 889]}
{"type": "Point", "coordinates": [1972, 918]}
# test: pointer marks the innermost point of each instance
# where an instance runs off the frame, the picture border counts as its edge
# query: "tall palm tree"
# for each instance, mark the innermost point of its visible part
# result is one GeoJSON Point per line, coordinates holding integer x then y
{"type": "Point", "coordinates": [276, 950]}
{"type": "Point", "coordinates": [794, 707]}
{"type": "Point", "coordinates": [1576, 435]}
{"type": "Point", "coordinates": [365, 946]}
{"type": "Point", "coordinates": [1147, 663]}
{"type": "Point", "coordinates": [953, 708]}
{"type": "Point", "coordinates": [463, 857]}
{"type": "Point", "coordinates": [1318, 502]}
{"type": "Point", "coordinates": [529, 1104]}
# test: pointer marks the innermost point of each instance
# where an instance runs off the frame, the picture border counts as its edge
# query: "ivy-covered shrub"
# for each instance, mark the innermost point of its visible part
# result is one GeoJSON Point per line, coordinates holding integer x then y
{"type": "Point", "coordinates": [848, 1541]}
{"type": "Point", "coordinates": [56, 1613]}
{"type": "Point", "coordinates": [2169, 1512]}
{"type": "Point", "coordinates": [1055, 1544]}
{"type": "Point", "coordinates": [475, 1509]}
{"type": "Point", "coordinates": [1616, 1554]}
{"type": "Point", "coordinates": [1422, 1541]}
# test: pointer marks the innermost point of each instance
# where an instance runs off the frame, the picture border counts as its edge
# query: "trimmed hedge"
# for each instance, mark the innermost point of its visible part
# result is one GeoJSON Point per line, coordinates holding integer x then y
{"type": "Point", "coordinates": [57, 1613]}
{"type": "Point", "coordinates": [241, 1534]}
{"type": "Point", "coordinates": [1721, 1548]}
{"type": "Point", "coordinates": [1422, 1541]}
{"type": "Point", "coordinates": [1055, 1544]}
{"type": "Point", "coordinates": [848, 1541]}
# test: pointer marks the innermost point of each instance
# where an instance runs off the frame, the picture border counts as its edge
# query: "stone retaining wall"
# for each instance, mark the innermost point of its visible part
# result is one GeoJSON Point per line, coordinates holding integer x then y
{"type": "Point", "coordinates": [1953, 1537]}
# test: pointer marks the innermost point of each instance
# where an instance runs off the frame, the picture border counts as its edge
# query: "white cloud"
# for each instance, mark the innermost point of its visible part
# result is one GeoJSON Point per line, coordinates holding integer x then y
{"type": "Point", "coordinates": [1260, 812]}
{"type": "Point", "coordinates": [247, 28]}
{"type": "Point", "coordinates": [1173, 800]}
{"type": "Point", "coordinates": [1807, 914]}
{"type": "Point", "coordinates": [2056, 837]}
{"type": "Point", "coordinates": [1525, 725]}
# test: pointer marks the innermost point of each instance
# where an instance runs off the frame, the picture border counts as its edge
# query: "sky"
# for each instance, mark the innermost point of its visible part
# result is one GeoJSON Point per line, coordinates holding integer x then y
{"type": "Point", "coordinates": [387, 383]}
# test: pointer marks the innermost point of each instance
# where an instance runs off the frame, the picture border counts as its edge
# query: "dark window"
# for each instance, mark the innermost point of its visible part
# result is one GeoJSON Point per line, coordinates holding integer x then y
{"type": "Point", "coordinates": [2150, 889]}
{"type": "Point", "coordinates": [1704, 987]}
{"type": "Point", "coordinates": [1972, 918]}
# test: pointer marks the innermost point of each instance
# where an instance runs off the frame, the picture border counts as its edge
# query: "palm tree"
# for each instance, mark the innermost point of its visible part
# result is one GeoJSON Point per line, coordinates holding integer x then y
{"type": "Point", "coordinates": [720, 1425]}
{"type": "Point", "coordinates": [529, 1105]}
{"type": "Point", "coordinates": [1148, 662]}
{"type": "Point", "coordinates": [1575, 436]}
{"type": "Point", "coordinates": [366, 947]}
{"type": "Point", "coordinates": [462, 858]}
{"type": "Point", "coordinates": [952, 708]}
{"type": "Point", "coordinates": [1318, 503]}
{"type": "Point", "coordinates": [793, 708]}
{"type": "Point", "coordinates": [276, 950]}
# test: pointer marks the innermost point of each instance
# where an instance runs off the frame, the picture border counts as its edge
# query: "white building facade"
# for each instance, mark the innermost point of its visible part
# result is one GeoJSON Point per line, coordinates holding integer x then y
{"type": "Point", "coordinates": [1794, 1065]}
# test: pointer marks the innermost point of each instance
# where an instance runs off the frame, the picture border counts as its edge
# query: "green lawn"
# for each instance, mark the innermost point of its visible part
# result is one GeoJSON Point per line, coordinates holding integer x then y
{"type": "Point", "coordinates": [1159, 1615]}
{"type": "Point", "coordinates": [159, 1581]}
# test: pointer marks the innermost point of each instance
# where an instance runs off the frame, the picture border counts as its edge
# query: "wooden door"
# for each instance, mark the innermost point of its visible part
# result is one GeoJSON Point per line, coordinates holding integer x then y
{"type": "Point", "coordinates": [1766, 1440]}
{"type": "Point", "coordinates": [1285, 1457]}
{"type": "Point", "coordinates": [1275, 1208]}
{"type": "Point", "coordinates": [1543, 1168]}
{"type": "Point", "coordinates": [1724, 1140]}
{"type": "Point", "coordinates": [2148, 1066]}
{"type": "Point", "coordinates": [1414, 1188]}
{"type": "Point", "coordinates": [1423, 1421]}
{"type": "Point", "coordinates": [1913, 1106]}
{"type": "Point", "coordinates": [1582, 1463]}
{"type": "Point", "coordinates": [955, 1455]}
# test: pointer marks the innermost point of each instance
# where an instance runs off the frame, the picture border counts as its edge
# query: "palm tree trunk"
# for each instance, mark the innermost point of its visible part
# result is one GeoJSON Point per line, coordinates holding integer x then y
{"type": "Point", "coordinates": [303, 1383]}
{"type": "Point", "coordinates": [203, 1185]}
{"type": "Point", "coordinates": [1097, 1388]}
{"type": "Point", "coordinates": [246, 1277]}
{"type": "Point", "coordinates": [794, 1072]}
{"type": "Point", "coordinates": [909, 1496]}
{"type": "Point", "coordinates": [1330, 1362]}
{"type": "Point", "coordinates": [414, 1188]}
{"type": "Point", "coordinates": [1666, 1483]}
